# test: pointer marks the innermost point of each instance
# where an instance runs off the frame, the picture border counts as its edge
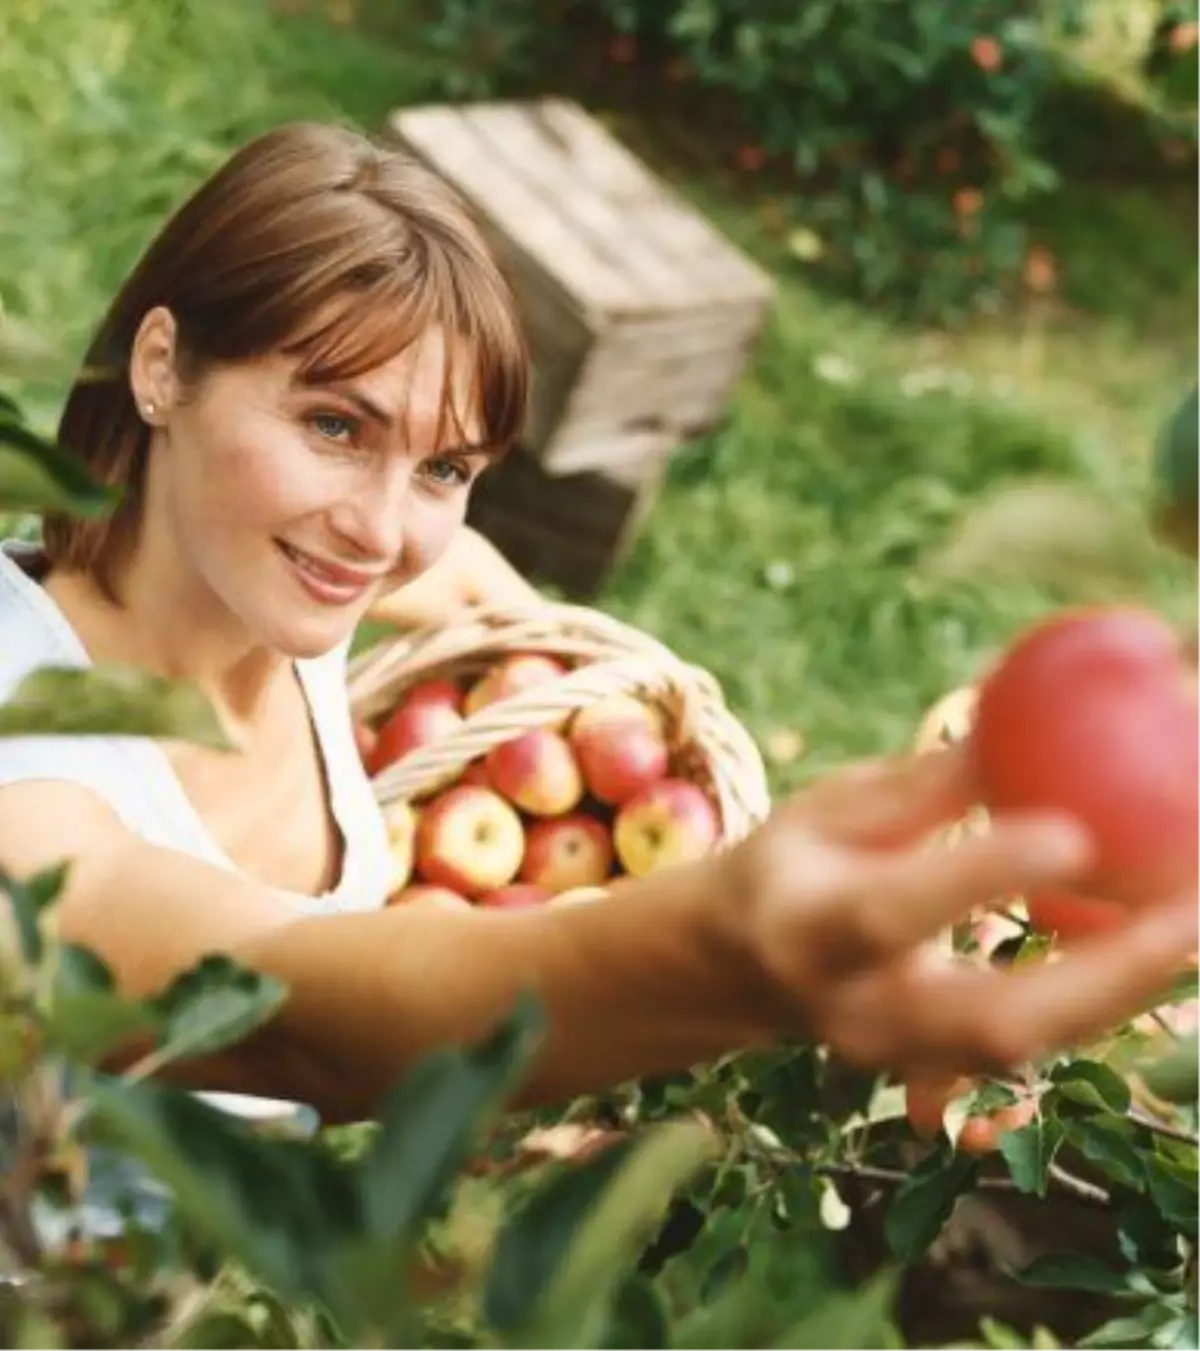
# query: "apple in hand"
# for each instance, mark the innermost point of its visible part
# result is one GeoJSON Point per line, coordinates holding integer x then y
{"type": "Point", "coordinates": [1093, 714]}
{"type": "Point", "coordinates": [509, 676]}
{"type": "Point", "coordinates": [536, 771]}
{"type": "Point", "coordinates": [515, 896]}
{"type": "Point", "coordinates": [469, 840]}
{"type": "Point", "coordinates": [671, 822]}
{"type": "Point", "coordinates": [567, 853]}
{"type": "Point", "coordinates": [421, 893]}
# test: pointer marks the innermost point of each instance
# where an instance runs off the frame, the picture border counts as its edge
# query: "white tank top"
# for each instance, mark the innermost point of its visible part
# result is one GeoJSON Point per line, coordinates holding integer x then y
{"type": "Point", "coordinates": [135, 778]}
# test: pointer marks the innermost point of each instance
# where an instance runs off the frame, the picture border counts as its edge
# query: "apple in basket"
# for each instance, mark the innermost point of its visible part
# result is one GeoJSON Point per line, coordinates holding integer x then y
{"type": "Point", "coordinates": [515, 896]}
{"type": "Point", "coordinates": [671, 822]}
{"type": "Point", "coordinates": [567, 853]}
{"type": "Point", "coordinates": [419, 718]}
{"type": "Point", "coordinates": [469, 840]}
{"type": "Point", "coordinates": [422, 893]}
{"type": "Point", "coordinates": [400, 822]}
{"type": "Point", "coordinates": [621, 748]}
{"type": "Point", "coordinates": [537, 772]}
{"type": "Point", "coordinates": [509, 676]}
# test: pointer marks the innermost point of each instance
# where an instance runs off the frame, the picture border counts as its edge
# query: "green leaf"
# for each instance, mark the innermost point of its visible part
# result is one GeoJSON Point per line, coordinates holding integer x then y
{"type": "Point", "coordinates": [848, 1319]}
{"type": "Point", "coordinates": [1175, 1192]}
{"type": "Point", "coordinates": [600, 1219]}
{"type": "Point", "coordinates": [1108, 1143]}
{"type": "Point", "coordinates": [1118, 1332]}
{"type": "Point", "coordinates": [923, 1204]}
{"type": "Point", "coordinates": [36, 475]}
{"type": "Point", "coordinates": [639, 1319]}
{"type": "Point", "coordinates": [1073, 1271]}
{"type": "Point", "coordinates": [1028, 1153]}
{"type": "Point", "coordinates": [432, 1117]}
{"type": "Point", "coordinates": [213, 1005]}
{"type": "Point", "coordinates": [28, 897]}
{"type": "Point", "coordinates": [87, 1018]}
{"type": "Point", "coordinates": [1176, 1077]}
{"type": "Point", "coordinates": [110, 701]}
{"type": "Point", "coordinates": [280, 1207]}
{"type": "Point", "coordinates": [1093, 1084]}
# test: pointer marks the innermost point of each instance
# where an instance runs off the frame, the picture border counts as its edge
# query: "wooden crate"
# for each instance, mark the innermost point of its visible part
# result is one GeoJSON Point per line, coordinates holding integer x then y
{"type": "Point", "coordinates": [567, 529]}
{"type": "Point", "coordinates": [639, 313]}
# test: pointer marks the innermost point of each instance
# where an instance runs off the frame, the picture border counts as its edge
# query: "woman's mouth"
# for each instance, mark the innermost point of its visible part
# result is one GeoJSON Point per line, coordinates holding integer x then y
{"type": "Point", "coordinates": [328, 583]}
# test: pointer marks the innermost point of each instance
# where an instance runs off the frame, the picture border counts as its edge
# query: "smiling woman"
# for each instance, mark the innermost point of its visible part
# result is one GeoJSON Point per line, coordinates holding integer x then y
{"type": "Point", "coordinates": [297, 387]}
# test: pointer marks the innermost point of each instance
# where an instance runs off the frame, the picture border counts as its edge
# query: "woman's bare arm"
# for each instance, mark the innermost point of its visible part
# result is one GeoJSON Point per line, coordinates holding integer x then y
{"type": "Point", "coordinates": [630, 988]}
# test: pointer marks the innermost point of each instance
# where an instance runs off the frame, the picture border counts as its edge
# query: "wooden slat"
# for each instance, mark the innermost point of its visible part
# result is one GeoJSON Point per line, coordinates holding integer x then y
{"type": "Point", "coordinates": [449, 144]}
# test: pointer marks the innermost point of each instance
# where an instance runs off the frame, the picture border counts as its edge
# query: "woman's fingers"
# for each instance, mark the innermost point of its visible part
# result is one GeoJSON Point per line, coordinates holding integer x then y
{"type": "Point", "coordinates": [994, 1019]}
{"type": "Point", "coordinates": [882, 803]}
{"type": "Point", "coordinates": [903, 899]}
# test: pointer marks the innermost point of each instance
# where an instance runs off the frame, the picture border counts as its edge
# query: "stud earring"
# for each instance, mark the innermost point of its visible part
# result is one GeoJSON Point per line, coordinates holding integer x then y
{"type": "Point", "coordinates": [148, 411]}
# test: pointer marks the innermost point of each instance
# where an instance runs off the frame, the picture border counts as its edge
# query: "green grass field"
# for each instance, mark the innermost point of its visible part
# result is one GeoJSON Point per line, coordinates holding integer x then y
{"type": "Point", "coordinates": [787, 552]}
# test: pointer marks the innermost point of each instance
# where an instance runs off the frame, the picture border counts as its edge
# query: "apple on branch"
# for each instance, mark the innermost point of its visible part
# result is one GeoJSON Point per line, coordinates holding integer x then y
{"type": "Point", "coordinates": [671, 822]}
{"type": "Point", "coordinates": [567, 853]}
{"type": "Point", "coordinates": [469, 840]}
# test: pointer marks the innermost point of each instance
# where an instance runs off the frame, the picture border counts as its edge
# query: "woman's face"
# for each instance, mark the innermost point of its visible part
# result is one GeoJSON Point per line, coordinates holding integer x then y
{"type": "Point", "coordinates": [291, 507]}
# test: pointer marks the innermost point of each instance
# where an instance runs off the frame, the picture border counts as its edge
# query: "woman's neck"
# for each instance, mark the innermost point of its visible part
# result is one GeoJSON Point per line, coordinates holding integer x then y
{"type": "Point", "coordinates": [160, 629]}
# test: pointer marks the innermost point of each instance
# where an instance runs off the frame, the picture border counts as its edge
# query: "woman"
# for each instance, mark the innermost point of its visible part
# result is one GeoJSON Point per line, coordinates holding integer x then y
{"type": "Point", "coordinates": [297, 386]}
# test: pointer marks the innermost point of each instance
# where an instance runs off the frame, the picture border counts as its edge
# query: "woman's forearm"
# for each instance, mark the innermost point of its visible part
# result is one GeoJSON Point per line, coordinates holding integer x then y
{"type": "Point", "coordinates": [648, 981]}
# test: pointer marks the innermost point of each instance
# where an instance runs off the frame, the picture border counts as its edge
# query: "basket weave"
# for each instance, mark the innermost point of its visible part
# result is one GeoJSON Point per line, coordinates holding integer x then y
{"type": "Point", "coordinates": [708, 745]}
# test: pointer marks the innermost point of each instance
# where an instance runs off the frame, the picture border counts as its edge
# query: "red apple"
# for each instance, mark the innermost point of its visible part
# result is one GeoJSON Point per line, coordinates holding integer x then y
{"type": "Point", "coordinates": [669, 823]}
{"type": "Point", "coordinates": [470, 840]}
{"type": "Point", "coordinates": [1062, 915]}
{"type": "Point", "coordinates": [476, 772]}
{"type": "Point", "coordinates": [400, 822]}
{"type": "Point", "coordinates": [616, 708]}
{"type": "Point", "coordinates": [410, 726]}
{"type": "Point", "coordinates": [428, 693]}
{"type": "Point", "coordinates": [365, 740]}
{"type": "Point", "coordinates": [515, 896]}
{"type": "Point", "coordinates": [509, 676]}
{"type": "Point", "coordinates": [1094, 714]}
{"type": "Point", "coordinates": [536, 771]}
{"type": "Point", "coordinates": [421, 893]}
{"type": "Point", "coordinates": [567, 853]}
{"type": "Point", "coordinates": [620, 759]}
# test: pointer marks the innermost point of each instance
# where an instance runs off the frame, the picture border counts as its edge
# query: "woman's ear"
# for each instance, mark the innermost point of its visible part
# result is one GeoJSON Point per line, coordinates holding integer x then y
{"type": "Point", "coordinates": [153, 365]}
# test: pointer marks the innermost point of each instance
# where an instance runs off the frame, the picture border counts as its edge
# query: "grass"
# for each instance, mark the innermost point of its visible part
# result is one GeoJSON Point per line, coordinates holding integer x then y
{"type": "Point", "coordinates": [786, 551]}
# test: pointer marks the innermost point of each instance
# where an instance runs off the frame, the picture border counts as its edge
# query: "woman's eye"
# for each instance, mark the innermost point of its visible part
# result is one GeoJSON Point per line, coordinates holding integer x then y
{"type": "Point", "coordinates": [447, 473]}
{"type": "Point", "coordinates": [334, 427]}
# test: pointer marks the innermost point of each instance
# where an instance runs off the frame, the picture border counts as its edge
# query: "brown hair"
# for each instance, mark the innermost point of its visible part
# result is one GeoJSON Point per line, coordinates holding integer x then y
{"type": "Point", "coordinates": [311, 240]}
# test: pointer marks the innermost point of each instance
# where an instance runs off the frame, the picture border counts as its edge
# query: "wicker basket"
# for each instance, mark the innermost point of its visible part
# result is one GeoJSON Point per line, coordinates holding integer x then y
{"type": "Point", "coordinates": [606, 657]}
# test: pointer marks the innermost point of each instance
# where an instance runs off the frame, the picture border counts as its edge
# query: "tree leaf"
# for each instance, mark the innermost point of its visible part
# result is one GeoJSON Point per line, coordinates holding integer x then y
{"type": "Point", "coordinates": [87, 1017]}
{"type": "Point", "coordinates": [1176, 1077]}
{"type": "Point", "coordinates": [1175, 1192]}
{"type": "Point", "coordinates": [432, 1117]}
{"type": "Point", "coordinates": [923, 1204]}
{"type": "Point", "coordinates": [1052, 534]}
{"type": "Point", "coordinates": [1073, 1271]}
{"type": "Point", "coordinates": [27, 898]}
{"type": "Point", "coordinates": [1120, 1333]}
{"type": "Point", "coordinates": [110, 701]}
{"type": "Point", "coordinates": [213, 1005]}
{"type": "Point", "coordinates": [570, 1308]}
{"type": "Point", "coordinates": [848, 1319]}
{"type": "Point", "coordinates": [1107, 1143]}
{"type": "Point", "coordinates": [280, 1207]}
{"type": "Point", "coordinates": [36, 475]}
{"type": "Point", "coordinates": [1028, 1153]}
{"type": "Point", "coordinates": [1093, 1084]}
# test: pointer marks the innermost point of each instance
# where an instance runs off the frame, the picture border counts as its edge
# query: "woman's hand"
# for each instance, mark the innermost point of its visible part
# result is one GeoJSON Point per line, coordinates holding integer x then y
{"type": "Point", "coordinates": [840, 897]}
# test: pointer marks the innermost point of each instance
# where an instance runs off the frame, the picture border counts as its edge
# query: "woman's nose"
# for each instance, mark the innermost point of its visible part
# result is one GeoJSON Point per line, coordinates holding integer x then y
{"type": "Point", "coordinates": [374, 518]}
